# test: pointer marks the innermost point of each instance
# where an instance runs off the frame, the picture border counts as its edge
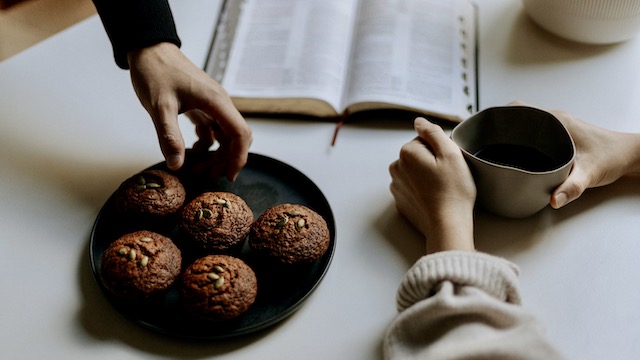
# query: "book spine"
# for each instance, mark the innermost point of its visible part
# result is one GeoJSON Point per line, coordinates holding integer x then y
{"type": "Point", "coordinates": [223, 37]}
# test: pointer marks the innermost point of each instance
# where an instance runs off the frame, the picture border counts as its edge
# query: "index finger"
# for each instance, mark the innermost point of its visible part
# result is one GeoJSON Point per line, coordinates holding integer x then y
{"type": "Point", "coordinates": [434, 137]}
{"type": "Point", "coordinates": [165, 120]}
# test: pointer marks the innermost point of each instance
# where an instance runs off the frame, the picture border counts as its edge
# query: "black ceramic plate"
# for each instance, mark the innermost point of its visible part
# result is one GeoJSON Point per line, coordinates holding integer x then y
{"type": "Point", "coordinates": [262, 183]}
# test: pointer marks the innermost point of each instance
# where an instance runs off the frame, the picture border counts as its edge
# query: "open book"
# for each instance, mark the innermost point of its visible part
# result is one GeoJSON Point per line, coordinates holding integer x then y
{"type": "Point", "coordinates": [331, 58]}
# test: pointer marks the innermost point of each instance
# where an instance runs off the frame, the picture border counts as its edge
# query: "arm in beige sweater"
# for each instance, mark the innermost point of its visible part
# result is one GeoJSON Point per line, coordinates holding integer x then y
{"type": "Point", "coordinates": [454, 303]}
{"type": "Point", "coordinates": [463, 305]}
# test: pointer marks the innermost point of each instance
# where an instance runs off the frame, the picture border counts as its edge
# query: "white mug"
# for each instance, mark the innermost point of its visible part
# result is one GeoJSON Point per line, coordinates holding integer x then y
{"type": "Point", "coordinates": [587, 21]}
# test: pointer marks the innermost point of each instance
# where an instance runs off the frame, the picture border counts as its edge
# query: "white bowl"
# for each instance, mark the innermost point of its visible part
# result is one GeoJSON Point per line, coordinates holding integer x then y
{"type": "Point", "coordinates": [587, 21]}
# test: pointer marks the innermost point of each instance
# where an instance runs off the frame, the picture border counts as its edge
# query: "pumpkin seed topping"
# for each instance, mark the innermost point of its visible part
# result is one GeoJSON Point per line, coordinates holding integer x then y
{"type": "Point", "coordinates": [218, 284]}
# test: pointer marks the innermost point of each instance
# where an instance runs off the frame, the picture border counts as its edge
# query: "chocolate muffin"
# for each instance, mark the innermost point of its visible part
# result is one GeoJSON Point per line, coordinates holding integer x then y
{"type": "Point", "coordinates": [291, 234]}
{"type": "Point", "coordinates": [150, 193]}
{"type": "Point", "coordinates": [218, 287]}
{"type": "Point", "coordinates": [140, 265]}
{"type": "Point", "coordinates": [217, 222]}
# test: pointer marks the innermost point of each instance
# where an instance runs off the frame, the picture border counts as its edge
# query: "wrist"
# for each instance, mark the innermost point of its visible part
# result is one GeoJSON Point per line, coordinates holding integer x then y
{"type": "Point", "coordinates": [155, 50]}
{"type": "Point", "coordinates": [452, 231]}
{"type": "Point", "coordinates": [634, 154]}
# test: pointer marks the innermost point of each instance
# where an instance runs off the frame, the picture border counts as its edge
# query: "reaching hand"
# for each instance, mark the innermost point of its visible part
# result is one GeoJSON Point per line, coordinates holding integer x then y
{"type": "Point", "coordinates": [434, 189]}
{"type": "Point", "coordinates": [167, 84]}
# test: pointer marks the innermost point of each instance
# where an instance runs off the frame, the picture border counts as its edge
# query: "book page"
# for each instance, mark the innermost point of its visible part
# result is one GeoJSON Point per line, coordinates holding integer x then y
{"type": "Point", "coordinates": [291, 49]}
{"type": "Point", "coordinates": [415, 53]}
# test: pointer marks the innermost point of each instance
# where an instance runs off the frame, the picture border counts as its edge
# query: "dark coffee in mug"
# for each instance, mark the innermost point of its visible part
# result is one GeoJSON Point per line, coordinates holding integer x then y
{"type": "Point", "coordinates": [518, 156]}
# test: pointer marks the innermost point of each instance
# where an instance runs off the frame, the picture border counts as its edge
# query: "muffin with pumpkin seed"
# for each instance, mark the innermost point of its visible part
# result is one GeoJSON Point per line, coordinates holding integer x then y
{"type": "Point", "coordinates": [140, 265]}
{"type": "Point", "coordinates": [216, 222]}
{"type": "Point", "coordinates": [290, 234]}
{"type": "Point", "coordinates": [218, 287]}
{"type": "Point", "coordinates": [150, 194]}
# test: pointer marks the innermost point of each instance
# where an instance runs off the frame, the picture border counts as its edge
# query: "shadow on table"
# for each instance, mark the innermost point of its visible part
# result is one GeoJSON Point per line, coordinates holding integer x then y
{"type": "Point", "coordinates": [508, 237]}
{"type": "Point", "coordinates": [101, 321]}
{"type": "Point", "coordinates": [399, 232]}
{"type": "Point", "coordinates": [502, 236]}
{"type": "Point", "coordinates": [531, 44]}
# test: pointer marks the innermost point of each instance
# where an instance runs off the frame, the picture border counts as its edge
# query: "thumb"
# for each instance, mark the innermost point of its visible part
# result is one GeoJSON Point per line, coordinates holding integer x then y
{"type": "Point", "coordinates": [570, 189]}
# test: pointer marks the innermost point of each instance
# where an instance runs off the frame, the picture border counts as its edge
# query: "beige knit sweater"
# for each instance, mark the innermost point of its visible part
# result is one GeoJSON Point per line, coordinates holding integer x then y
{"type": "Point", "coordinates": [463, 305]}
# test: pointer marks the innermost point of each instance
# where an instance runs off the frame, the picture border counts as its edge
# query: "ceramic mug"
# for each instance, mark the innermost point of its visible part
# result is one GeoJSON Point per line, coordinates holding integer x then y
{"type": "Point", "coordinates": [587, 21]}
{"type": "Point", "coordinates": [518, 155]}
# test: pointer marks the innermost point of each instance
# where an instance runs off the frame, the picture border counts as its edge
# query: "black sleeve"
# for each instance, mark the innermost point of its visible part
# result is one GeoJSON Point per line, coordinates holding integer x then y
{"type": "Point", "coordinates": [133, 24]}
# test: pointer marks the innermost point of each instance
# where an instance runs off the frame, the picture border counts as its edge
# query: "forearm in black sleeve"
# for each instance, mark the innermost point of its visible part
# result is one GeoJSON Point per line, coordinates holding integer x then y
{"type": "Point", "coordinates": [134, 24]}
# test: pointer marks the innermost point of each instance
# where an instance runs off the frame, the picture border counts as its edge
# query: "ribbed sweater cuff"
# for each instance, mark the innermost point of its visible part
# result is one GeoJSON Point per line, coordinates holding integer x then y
{"type": "Point", "coordinates": [496, 276]}
{"type": "Point", "coordinates": [134, 24]}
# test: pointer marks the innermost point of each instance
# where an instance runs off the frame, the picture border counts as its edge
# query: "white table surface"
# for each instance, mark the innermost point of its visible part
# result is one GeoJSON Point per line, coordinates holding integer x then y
{"type": "Point", "coordinates": [71, 129]}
